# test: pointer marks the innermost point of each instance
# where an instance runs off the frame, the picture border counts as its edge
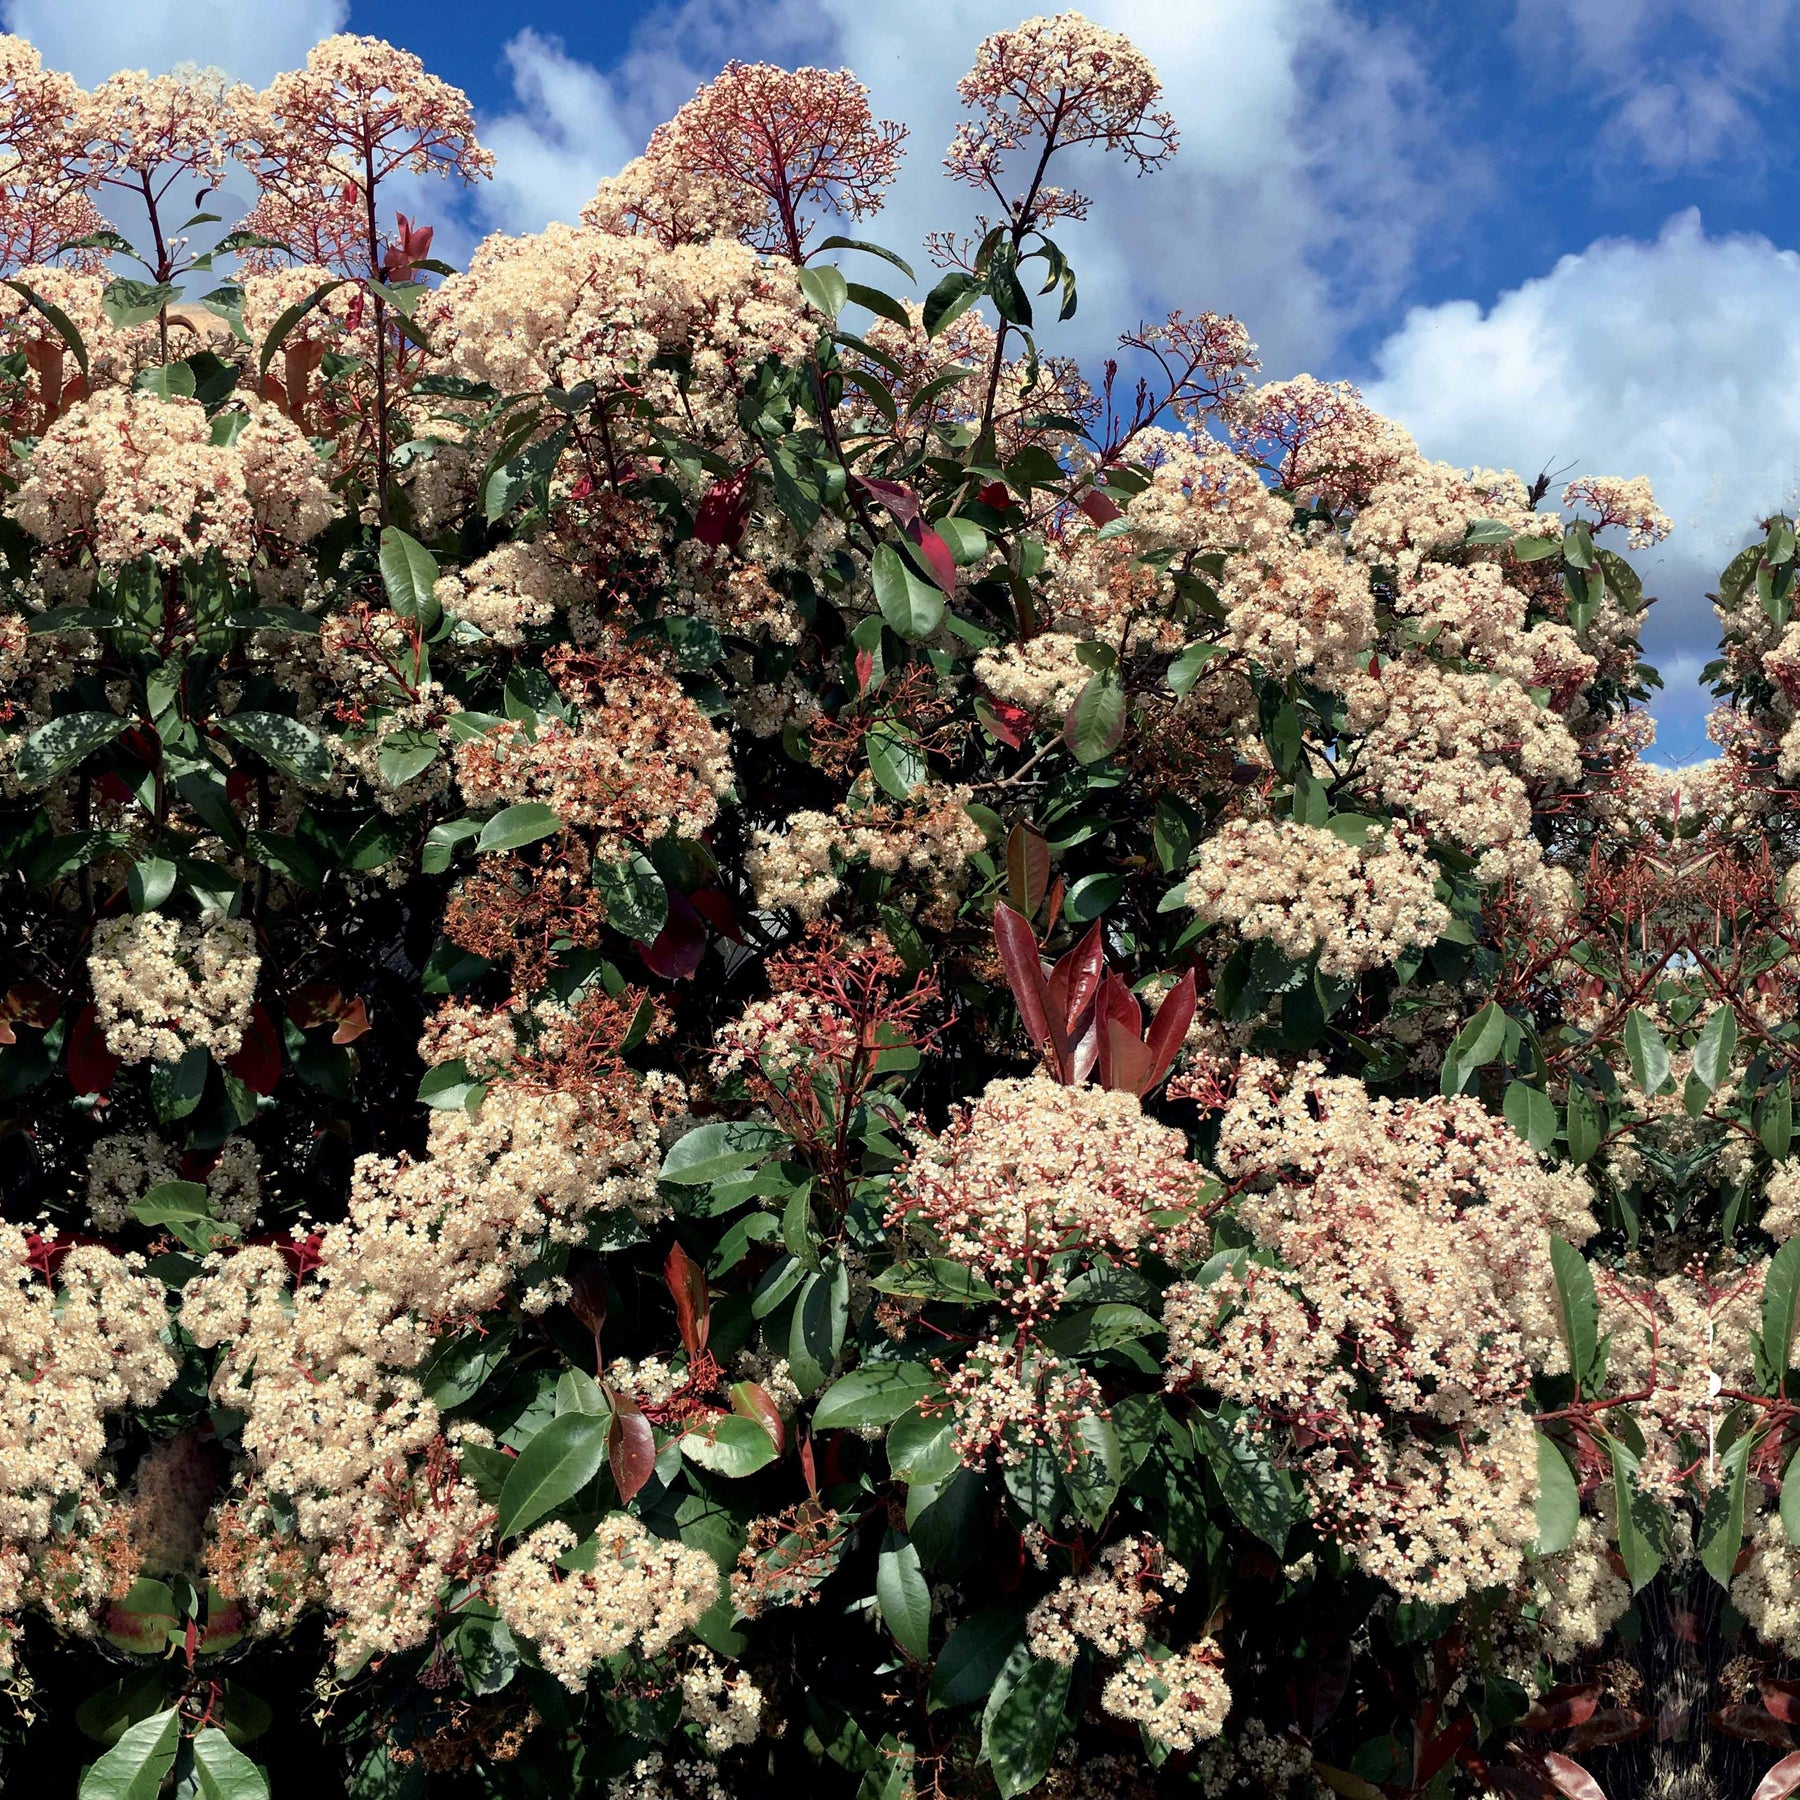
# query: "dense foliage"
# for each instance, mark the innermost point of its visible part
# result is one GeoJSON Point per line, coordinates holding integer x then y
{"type": "Point", "coordinates": [751, 1047]}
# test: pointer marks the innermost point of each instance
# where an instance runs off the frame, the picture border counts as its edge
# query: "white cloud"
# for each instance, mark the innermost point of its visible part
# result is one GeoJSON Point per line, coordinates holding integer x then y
{"type": "Point", "coordinates": [252, 42]}
{"type": "Point", "coordinates": [1681, 79]}
{"type": "Point", "coordinates": [1671, 359]}
{"type": "Point", "coordinates": [1297, 201]}
{"type": "Point", "coordinates": [551, 152]}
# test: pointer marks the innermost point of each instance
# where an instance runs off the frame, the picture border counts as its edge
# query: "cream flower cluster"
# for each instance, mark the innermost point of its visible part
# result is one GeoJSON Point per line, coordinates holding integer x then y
{"type": "Point", "coordinates": [163, 986]}
{"type": "Point", "coordinates": [124, 1166]}
{"type": "Point", "coordinates": [1304, 889]}
{"type": "Point", "coordinates": [1411, 1238]}
{"type": "Point", "coordinates": [640, 1594]}
{"type": "Point", "coordinates": [1181, 1700]}
{"type": "Point", "coordinates": [1034, 1169]}
{"type": "Point", "coordinates": [1110, 1606]}
{"type": "Point", "coordinates": [133, 475]}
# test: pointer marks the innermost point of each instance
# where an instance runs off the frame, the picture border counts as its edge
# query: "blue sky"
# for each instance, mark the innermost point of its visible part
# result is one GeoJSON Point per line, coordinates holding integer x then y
{"type": "Point", "coordinates": [1539, 232]}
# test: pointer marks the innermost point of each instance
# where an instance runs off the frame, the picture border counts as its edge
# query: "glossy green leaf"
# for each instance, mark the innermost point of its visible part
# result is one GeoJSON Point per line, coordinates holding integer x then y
{"type": "Point", "coordinates": [551, 1469]}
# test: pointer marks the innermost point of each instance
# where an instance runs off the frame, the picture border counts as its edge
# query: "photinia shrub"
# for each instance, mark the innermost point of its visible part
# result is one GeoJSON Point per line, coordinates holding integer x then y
{"type": "Point", "coordinates": [749, 1047]}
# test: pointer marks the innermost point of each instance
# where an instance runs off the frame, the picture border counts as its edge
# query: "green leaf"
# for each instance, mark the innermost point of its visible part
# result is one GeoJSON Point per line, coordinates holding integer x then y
{"type": "Point", "coordinates": [1638, 1523]}
{"type": "Point", "coordinates": [895, 760]}
{"type": "Point", "coordinates": [1531, 1113]}
{"type": "Point", "coordinates": [967, 541]}
{"type": "Point", "coordinates": [920, 1446]}
{"type": "Point", "coordinates": [1262, 1496]}
{"type": "Point", "coordinates": [877, 1394]}
{"type": "Point", "coordinates": [405, 754]}
{"type": "Point", "coordinates": [1716, 1046]}
{"type": "Point", "coordinates": [1775, 1120]}
{"type": "Point", "coordinates": [949, 300]}
{"type": "Point", "coordinates": [719, 1152]}
{"type": "Point", "coordinates": [441, 842]}
{"type": "Point", "coordinates": [172, 1201]}
{"type": "Point", "coordinates": [409, 572]}
{"type": "Point", "coordinates": [1584, 1126]}
{"type": "Point", "coordinates": [636, 901]}
{"type": "Point", "coordinates": [1093, 1479]}
{"type": "Point", "coordinates": [288, 320]}
{"type": "Point", "coordinates": [60, 321]}
{"type": "Point", "coordinates": [486, 1653]}
{"type": "Point", "coordinates": [1558, 1501]}
{"type": "Point", "coordinates": [150, 882]}
{"type": "Point", "coordinates": [223, 1771]}
{"type": "Point", "coordinates": [134, 1768]}
{"type": "Point", "coordinates": [449, 1087]}
{"type": "Point", "coordinates": [553, 1468]}
{"type": "Point", "coordinates": [826, 290]}
{"type": "Point", "coordinates": [912, 606]}
{"type": "Point", "coordinates": [1474, 1047]}
{"type": "Point", "coordinates": [974, 1655]}
{"type": "Point", "coordinates": [729, 1445]}
{"type": "Point", "coordinates": [1722, 1523]}
{"type": "Point", "coordinates": [126, 302]}
{"type": "Point", "coordinates": [1790, 1501]}
{"type": "Point", "coordinates": [847, 243]}
{"type": "Point", "coordinates": [1647, 1053]}
{"type": "Point", "coordinates": [172, 381]}
{"type": "Point", "coordinates": [1184, 671]}
{"type": "Point", "coordinates": [1781, 1306]}
{"type": "Point", "coordinates": [290, 746]}
{"type": "Point", "coordinates": [1096, 721]}
{"type": "Point", "coordinates": [1579, 1309]}
{"type": "Point", "coordinates": [60, 745]}
{"type": "Point", "coordinates": [1020, 1734]}
{"type": "Point", "coordinates": [904, 1595]}
{"type": "Point", "coordinates": [515, 826]}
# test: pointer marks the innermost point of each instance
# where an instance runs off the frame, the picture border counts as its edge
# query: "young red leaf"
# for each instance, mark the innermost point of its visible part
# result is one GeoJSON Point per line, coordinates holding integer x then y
{"type": "Point", "coordinates": [1572, 1779]}
{"type": "Point", "coordinates": [630, 1448]}
{"type": "Point", "coordinates": [1562, 1707]}
{"type": "Point", "coordinates": [899, 499]}
{"type": "Point", "coordinates": [91, 1065]}
{"type": "Point", "coordinates": [1018, 948]}
{"type": "Point", "coordinates": [1002, 721]}
{"type": "Point", "coordinates": [1781, 1780]}
{"type": "Point", "coordinates": [1098, 509]}
{"type": "Point", "coordinates": [257, 1060]}
{"type": "Point", "coordinates": [1118, 1019]}
{"type": "Point", "coordinates": [1027, 867]}
{"type": "Point", "coordinates": [693, 1308]}
{"type": "Point", "coordinates": [1124, 1059]}
{"type": "Point", "coordinates": [751, 1401]}
{"type": "Point", "coordinates": [937, 555]}
{"type": "Point", "coordinates": [1442, 1747]}
{"type": "Point", "coordinates": [1168, 1030]}
{"type": "Point", "coordinates": [676, 951]}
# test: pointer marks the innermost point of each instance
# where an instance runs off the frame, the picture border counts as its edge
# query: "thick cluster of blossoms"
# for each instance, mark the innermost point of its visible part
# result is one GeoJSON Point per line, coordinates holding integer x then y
{"type": "Point", "coordinates": [765, 1041]}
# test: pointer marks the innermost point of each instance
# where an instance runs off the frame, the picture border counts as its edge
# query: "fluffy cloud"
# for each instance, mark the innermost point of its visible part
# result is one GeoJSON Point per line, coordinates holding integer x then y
{"type": "Point", "coordinates": [1670, 359]}
{"type": "Point", "coordinates": [92, 38]}
{"type": "Point", "coordinates": [1681, 80]}
{"type": "Point", "coordinates": [1298, 200]}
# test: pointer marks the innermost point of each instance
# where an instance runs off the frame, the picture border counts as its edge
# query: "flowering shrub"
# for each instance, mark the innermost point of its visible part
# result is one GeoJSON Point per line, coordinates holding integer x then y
{"type": "Point", "coordinates": [752, 1047]}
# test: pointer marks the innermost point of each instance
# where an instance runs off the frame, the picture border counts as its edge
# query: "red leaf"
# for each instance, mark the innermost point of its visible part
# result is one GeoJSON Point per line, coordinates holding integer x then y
{"type": "Point", "coordinates": [1615, 1725]}
{"type": "Point", "coordinates": [91, 1065]}
{"type": "Point", "coordinates": [1563, 1707]}
{"type": "Point", "coordinates": [693, 1308]}
{"type": "Point", "coordinates": [1070, 992]}
{"type": "Point", "coordinates": [353, 1021]}
{"type": "Point", "coordinates": [751, 1401]}
{"type": "Point", "coordinates": [630, 1448]}
{"type": "Point", "coordinates": [1441, 1748]}
{"type": "Point", "coordinates": [1782, 1698]}
{"type": "Point", "coordinates": [865, 667]}
{"type": "Point", "coordinates": [995, 494]}
{"type": "Point", "coordinates": [1101, 511]}
{"type": "Point", "coordinates": [937, 553]}
{"type": "Point", "coordinates": [1124, 1059]}
{"type": "Point", "coordinates": [1781, 1780]}
{"type": "Point", "coordinates": [1114, 1006]}
{"type": "Point", "coordinates": [257, 1060]}
{"type": "Point", "coordinates": [1027, 867]}
{"type": "Point", "coordinates": [1572, 1779]}
{"type": "Point", "coordinates": [723, 515]}
{"type": "Point", "coordinates": [899, 499]}
{"type": "Point", "coordinates": [1018, 947]}
{"type": "Point", "coordinates": [675, 952]}
{"type": "Point", "coordinates": [715, 908]}
{"type": "Point", "coordinates": [1168, 1030]}
{"type": "Point", "coordinates": [1754, 1724]}
{"type": "Point", "coordinates": [1004, 721]}
{"type": "Point", "coordinates": [806, 1465]}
